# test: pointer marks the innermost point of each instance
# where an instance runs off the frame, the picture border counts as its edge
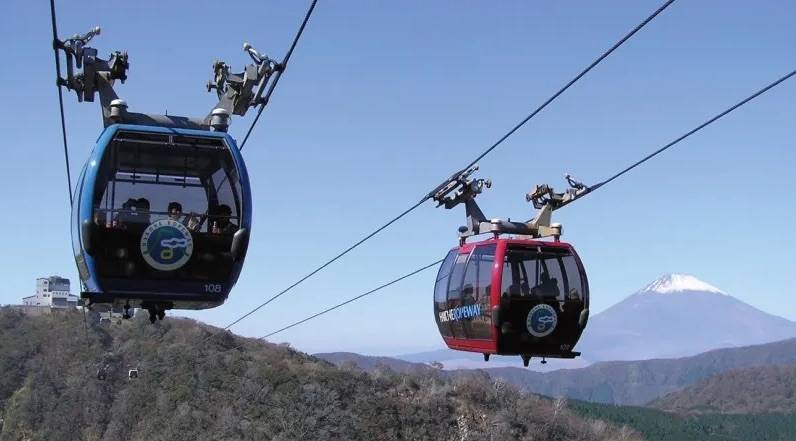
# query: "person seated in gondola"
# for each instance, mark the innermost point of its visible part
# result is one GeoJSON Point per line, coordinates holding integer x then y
{"type": "Point", "coordinates": [135, 215]}
{"type": "Point", "coordinates": [142, 210]}
{"type": "Point", "coordinates": [221, 222]}
{"type": "Point", "coordinates": [175, 212]}
{"type": "Point", "coordinates": [126, 215]}
{"type": "Point", "coordinates": [100, 218]}
{"type": "Point", "coordinates": [468, 295]}
{"type": "Point", "coordinates": [547, 287]}
{"type": "Point", "coordinates": [194, 221]}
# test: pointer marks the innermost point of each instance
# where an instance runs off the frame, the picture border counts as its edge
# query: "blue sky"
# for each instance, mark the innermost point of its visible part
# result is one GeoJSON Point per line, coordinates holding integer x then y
{"type": "Point", "coordinates": [383, 100]}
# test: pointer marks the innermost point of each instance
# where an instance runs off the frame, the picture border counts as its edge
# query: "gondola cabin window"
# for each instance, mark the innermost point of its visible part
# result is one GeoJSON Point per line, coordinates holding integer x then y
{"type": "Point", "coordinates": [462, 293]}
{"type": "Point", "coordinates": [441, 293]}
{"type": "Point", "coordinates": [548, 274]}
{"type": "Point", "coordinates": [149, 180]}
{"type": "Point", "coordinates": [475, 291]}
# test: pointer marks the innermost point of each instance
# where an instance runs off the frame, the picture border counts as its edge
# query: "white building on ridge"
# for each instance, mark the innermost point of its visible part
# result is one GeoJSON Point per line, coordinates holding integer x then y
{"type": "Point", "coordinates": [53, 291]}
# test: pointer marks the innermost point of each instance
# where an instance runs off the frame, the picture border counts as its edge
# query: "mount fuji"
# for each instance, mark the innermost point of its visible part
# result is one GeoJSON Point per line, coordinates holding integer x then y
{"type": "Point", "coordinates": [678, 315]}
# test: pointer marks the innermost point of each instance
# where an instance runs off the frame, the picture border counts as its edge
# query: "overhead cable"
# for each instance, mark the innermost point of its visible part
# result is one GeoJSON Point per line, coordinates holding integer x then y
{"type": "Point", "coordinates": [694, 130]}
{"type": "Point", "coordinates": [646, 158]}
{"type": "Point", "coordinates": [482, 155]}
{"type": "Point", "coordinates": [351, 300]}
{"type": "Point", "coordinates": [278, 73]}
{"type": "Point", "coordinates": [571, 82]}
{"type": "Point", "coordinates": [60, 98]}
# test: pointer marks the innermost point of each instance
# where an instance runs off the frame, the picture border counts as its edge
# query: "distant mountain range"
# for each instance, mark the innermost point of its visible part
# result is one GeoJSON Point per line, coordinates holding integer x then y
{"type": "Point", "coordinates": [755, 390]}
{"type": "Point", "coordinates": [370, 363]}
{"type": "Point", "coordinates": [639, 382]}
{"type": "Point", "coordinates": [625, 382]}
{"type": "Point", "coordinates": [676, 315]}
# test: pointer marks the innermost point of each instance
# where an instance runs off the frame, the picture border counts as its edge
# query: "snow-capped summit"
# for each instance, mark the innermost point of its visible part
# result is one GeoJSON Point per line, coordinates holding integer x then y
{"type": "Point", "coordinates": [678, 316]}
{"type": "Point", "coordinates": [674, 283]}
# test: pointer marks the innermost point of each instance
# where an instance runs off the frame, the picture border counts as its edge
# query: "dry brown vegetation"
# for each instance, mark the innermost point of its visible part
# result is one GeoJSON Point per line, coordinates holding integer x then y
{"type": "Point", "coordinates": [193, 389]}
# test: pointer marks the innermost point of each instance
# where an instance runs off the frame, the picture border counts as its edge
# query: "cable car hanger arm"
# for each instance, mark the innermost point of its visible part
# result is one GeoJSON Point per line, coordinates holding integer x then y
{"type": "Point", "coordinates": [460, 188]}
{"type": "Point", "coordinates": [236, 90]}
{"type": "Point", "coordinates": [87, 75]}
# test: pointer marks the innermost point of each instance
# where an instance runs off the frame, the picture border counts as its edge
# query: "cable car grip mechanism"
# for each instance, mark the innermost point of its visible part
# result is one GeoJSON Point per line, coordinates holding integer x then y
{"type": "Point", "coordinates": [87, 75]}
{"type": "Point", "coordinates": [462, 188]}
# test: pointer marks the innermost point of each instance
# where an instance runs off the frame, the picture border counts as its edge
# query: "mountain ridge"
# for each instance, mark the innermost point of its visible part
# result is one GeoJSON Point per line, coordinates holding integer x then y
{"type": "Point", "coordinates": [639, 382]}
{"type": "Point", "coordinates": [751, 390]}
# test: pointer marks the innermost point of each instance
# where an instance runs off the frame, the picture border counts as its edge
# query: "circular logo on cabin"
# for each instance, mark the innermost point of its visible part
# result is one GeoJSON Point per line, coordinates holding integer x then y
{"type": "Point", "coordinates": [542, 320]}
{"type": "Point", "coordinates": [166, 245]}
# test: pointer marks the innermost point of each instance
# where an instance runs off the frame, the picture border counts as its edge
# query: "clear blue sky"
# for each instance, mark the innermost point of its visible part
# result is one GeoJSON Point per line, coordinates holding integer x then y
{"type": "Point", "coordinates": [382, 100]}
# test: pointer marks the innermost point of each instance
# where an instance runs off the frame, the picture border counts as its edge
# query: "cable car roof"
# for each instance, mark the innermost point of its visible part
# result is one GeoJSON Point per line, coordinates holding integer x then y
{"type": "Point", "coordinates": [526, 242]}
{"type": "Point", "coordinates": [166, 130]}
{"type": "Point", "coordinates": [189, 153]}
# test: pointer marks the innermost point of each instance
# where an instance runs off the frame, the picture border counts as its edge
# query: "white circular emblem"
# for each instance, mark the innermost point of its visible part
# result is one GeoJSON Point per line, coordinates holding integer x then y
{"type": "Point", "coordinates": [166, 245]}
{"type": "Point", "coordinates": [542, 320]}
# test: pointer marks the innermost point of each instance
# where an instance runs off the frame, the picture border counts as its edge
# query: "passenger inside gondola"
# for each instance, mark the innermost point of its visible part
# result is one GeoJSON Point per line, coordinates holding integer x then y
{"type": "Point", "coordinates": [468, 295]}
{"type": "Point", "coordinates": [142, 212]}
{"type": "Point", "coordinates": [221, 223]}
{"type": "Point", "coordinates": [195, 222]}
{"type": "Point", "coordinates": [175, 211]}
{"type": "Point", "coordinates": [142, 183]}
{"type": "Point", "coordinates": [547, 287]}
{"type": "Point", "coordinates": [100, 219]}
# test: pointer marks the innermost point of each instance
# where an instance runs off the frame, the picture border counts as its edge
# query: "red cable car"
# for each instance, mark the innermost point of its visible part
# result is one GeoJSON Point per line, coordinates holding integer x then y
{"type": "Point", "coordinates": [511, 296]}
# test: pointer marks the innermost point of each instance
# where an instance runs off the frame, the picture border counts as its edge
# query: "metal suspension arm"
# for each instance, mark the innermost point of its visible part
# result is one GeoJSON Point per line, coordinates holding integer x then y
{"type": "Point", "coordinates": [236, 91]}
{"type": "Point", "coordinates": [95, 70]}
{"type": "Point", "coordinates": [546, 200]}
{"type": "Point", "coordinates": [461, 188]}
{"type": "Point", "coordinates": [87, 75]}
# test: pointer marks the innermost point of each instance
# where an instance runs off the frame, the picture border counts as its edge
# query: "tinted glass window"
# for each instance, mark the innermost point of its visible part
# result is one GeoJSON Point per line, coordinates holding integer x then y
{"type": "Point", "coordinates": [575, 283]}
{"type": "Point", "coordinates": [149, 177]}
{"type": "Point", "coordinates": [441, 285]}
{"type": "Point", "coordinates": [144, 179]}
{"type": "Point", "coordinates": [455, 294]}
{"type": "Point", "coordinates": [541, 273]}
{"type": "Point", "coordinates": [476, 316]}
{"type": "Point", "coordinates": [441, 293]}
{"type": "Point", "coordinates": [136, 200]}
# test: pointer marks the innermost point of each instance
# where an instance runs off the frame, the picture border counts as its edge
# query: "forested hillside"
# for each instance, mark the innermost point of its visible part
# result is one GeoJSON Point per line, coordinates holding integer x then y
{"type": "Point", "coordinates": [639, 382]}
{"type": "Point", "coordinates": [231, 388]}
{"type": "Point", "coordinates": [656, 425]}
{"type": "Point", "coordinates": [764, 389]}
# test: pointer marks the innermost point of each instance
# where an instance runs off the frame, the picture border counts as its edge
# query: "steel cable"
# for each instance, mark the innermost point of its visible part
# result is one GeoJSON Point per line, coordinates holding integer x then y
{"type": "Point", "coordinates": [694, 130]}
{"type": "Point", "coordinates": [597, 61]}
{"type": "Point", "coordinates": [646, 158]}
{"type": "Point", "coordinates": [278, 74]}
{"type": "Point", "coordinates": [571, 82]}
{"type": "Point", "coordinates": [60, 98]}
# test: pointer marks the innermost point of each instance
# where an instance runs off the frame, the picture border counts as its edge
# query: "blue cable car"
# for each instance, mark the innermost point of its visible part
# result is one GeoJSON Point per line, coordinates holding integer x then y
{"type": "Point", "coordinates": [162, 218]}
{"type": "Point", "coordinates": [162, 212]}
